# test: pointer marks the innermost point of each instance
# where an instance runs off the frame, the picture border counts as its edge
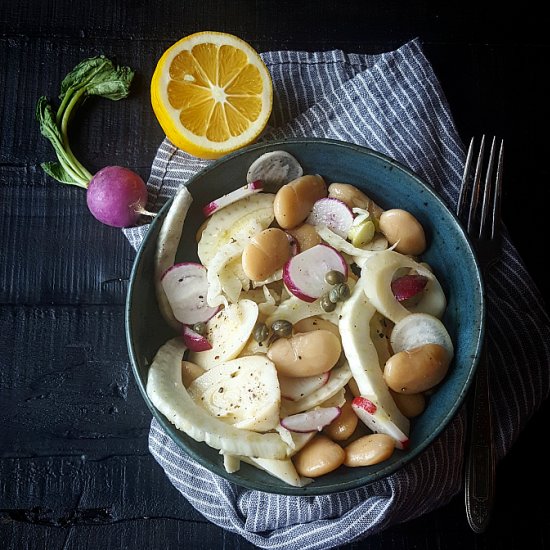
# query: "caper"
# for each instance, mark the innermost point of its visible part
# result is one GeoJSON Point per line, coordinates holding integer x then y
{"type": "Point", "coordinates": [339, 293]}
{"type": "Point", "coordinates": [260, 332]}
{"type": "Point", "coordinates": [326, 304]}
{"type": "Point", "coordinates": [282, 328]}
{"type": "Point", "coordinates": [200, 328]}
{"type": "Point", "coordinates": [334, 277]}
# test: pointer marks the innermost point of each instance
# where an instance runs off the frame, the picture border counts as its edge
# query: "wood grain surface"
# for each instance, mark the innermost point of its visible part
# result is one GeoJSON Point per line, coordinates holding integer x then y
{"type": "Point", "coordinates": [75, 471]}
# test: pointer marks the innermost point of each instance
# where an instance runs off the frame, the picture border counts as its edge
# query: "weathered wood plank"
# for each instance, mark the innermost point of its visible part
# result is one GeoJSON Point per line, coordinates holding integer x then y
{"type": "Point", "coordinates": [53, 250]}
{"type": "Point", "coordinates": [80, 490]}
{"type": "Point", "coordinates": [146, 533]}
{"type": "Point", "coordinates": [104, 132]}
{"type": "Point", "coordinates": [88, 528]}
{"type": "Point", "coordinates": [174, 19]}
{"type": "Point", "coordinates": [358, 24]}
{"type": "Point", "coordinates": [66, 384]}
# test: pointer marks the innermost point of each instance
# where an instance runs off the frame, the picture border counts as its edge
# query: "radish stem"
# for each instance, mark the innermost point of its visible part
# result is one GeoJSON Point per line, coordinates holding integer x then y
{"type": "Point", "coordinates": [94, 76]}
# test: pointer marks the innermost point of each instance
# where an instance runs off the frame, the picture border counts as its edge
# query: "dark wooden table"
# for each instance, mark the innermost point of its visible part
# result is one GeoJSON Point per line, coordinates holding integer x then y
{"type": "Point", "coordinates": [75, 471]}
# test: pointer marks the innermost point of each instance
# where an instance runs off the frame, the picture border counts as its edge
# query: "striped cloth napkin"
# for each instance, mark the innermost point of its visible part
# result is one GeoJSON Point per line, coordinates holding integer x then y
{"type": "Point", "coordinates": [392, 103]}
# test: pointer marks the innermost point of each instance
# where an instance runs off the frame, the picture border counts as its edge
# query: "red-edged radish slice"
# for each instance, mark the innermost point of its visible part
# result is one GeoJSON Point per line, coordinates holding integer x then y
{"type": "Point", "coordinates": [377, 421]}
{"type": "Point", "coordinates": [275, 169]}
{"type": "Point", "coordinates": [418, 329]}
{"type": "Point", "coordinates": [332, 213]}
{"type": "Point", "coordinates": [408, 286]}
{"type": "Point", "coordinates": [310, 421]}
{"type": "Point", "coordinates": [304, 274]}
{"type": "Point", "coordinates": [234, 196]}
{"type": "Point", "coordinates": [185, 286]}
{"type": "Point", "coordinates": [195, 341]}
{"type": "Point", "coordinates": [378, 272]}
{"type": "Point", "coordinates": [297, 388]}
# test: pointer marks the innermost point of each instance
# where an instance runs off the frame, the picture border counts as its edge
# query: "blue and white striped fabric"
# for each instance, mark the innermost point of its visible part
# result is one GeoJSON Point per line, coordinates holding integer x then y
{"type": "Point", "coordinates": [392, 103]}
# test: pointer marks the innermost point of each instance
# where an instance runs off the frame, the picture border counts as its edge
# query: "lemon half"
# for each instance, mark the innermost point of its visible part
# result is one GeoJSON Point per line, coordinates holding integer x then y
{"type": "Point", "coordinates": [211, 93]}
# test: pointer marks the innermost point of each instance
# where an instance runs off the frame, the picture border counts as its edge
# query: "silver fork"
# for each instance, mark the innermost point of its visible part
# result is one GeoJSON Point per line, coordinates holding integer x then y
{"type": "Point", "coordinates": [484, 228]}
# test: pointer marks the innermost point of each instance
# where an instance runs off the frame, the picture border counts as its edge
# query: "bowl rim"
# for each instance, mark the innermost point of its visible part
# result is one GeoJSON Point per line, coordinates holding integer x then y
{"type": "Point", "coordinates": [311, 489]}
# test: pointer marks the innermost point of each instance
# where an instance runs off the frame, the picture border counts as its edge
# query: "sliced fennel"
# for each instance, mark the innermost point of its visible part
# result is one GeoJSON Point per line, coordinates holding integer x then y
{"type": "Point", "coordinates": [295, 440]}
{"type": "Point", "coordinates": [339, 377]}
{"type": "Point", "coordinates": [167, 245]}
{"type": "Point", "coordinates": [223, 284]}
{"type": "Point", "coordinates": [362, 357]}
{"type": "Point", "coordinates": [293, 310]}
{"type": "Point", "coordinates": [169, 396]}
{"type": "Point", "coordinates": [281, 469]}
{"type": "Point", "coordinates": [243, 392]}
{"type": "Point", "coordinates": [433, 302]}
{"type": "Point", "coordinates": [228, 332]}
{"type": "Point", "coordinates": [238, 222]}
{"type": "Point", "coordinates": [377, 274]}
{"type": "Point", "coordinates": [231, 463]}
{"type": "Point", "coordinates": [359, 255]}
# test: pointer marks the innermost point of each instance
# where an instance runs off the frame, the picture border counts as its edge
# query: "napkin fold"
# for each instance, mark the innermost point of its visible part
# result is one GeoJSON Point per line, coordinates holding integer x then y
{"type": "Point", "coordinates": [393, 103]}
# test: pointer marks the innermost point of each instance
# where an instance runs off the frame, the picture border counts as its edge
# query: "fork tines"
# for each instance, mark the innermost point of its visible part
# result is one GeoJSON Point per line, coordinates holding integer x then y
{"type": "Point", "coordinates": [490, 201]}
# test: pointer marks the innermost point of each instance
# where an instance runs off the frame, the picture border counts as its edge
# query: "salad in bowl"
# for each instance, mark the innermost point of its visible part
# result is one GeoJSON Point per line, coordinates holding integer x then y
{"type": "Point", "coordinates": [311, 324]}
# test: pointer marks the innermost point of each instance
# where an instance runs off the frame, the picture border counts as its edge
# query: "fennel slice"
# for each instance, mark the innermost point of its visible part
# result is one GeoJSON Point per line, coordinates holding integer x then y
{"type": "Point", "coordinates": [169, 396]}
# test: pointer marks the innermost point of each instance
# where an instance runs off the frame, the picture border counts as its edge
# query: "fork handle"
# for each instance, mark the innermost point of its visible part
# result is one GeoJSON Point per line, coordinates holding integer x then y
{"type": "Point", "coordinates": [479, 474]}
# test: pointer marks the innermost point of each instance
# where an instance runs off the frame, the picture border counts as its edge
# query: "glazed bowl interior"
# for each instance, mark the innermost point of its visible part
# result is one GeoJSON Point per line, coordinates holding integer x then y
{"type": "Point", "coordinates": [392, 186]}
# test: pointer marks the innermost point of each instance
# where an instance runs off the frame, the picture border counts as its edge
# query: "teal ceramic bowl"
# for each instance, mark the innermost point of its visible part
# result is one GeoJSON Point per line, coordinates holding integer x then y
{"type": "Point", "coordinates": [392, 186]}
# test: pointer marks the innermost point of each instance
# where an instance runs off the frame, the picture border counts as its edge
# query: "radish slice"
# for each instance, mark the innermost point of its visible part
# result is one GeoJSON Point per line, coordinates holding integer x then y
{"type": "Point", "coordinates": [378, 421]}
{"type": "Point", "coordinates": [408, 286]}
{"type": "Point", "coordinates": [296, 388]}
{"type": "Point", "coordinates": [418, 329]}
{"type": "Point", "coordinates": [274, 168]}
{"type": "Point", "coordinates": [304, 274]}
{"type": "Point", "coordinates": [234, 196]}
{"type": "Point", "coordinates": [332, 213]}
{"type": "Point", "coordinates": [378, 272]}
{"type": "Point", "coordinates": [310, 421]}
{"type": "Point", "coordinates": [195, 341]}
{"type": "Point", "coordinates": [186, 286]}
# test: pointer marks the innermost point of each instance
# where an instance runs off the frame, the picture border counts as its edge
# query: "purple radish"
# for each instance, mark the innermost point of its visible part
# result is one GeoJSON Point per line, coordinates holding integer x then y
{"type": "Point", "coordinates": [234, 196]}
{"type": "Point", "coordinates": [195, 341]}
{"type": "Point", "coordinates": [304, 274]}
{"type": "Point", "coordinates": [408, 286]}
{"type": "Point", "coordinates": [116, 196]}
{"type": "Point", "coordinates": [185, 286]}
{"type": "Point", "coordinates": [296, 388]}
{"type": "Point", "coordinates": [332, 213]}
{"type": "Point", "coordinates": [311, 421]}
